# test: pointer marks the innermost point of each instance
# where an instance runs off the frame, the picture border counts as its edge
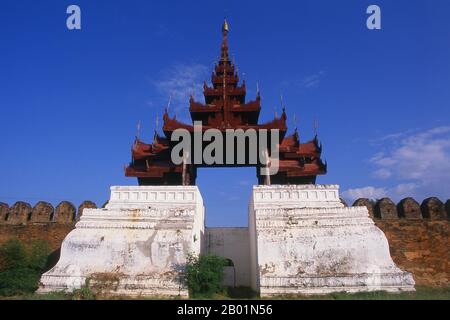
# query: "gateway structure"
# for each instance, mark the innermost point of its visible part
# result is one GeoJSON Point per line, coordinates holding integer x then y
{"type": "Point", "coordinates": [225, 107]}
{"type": "Point", "coordinates": [300, 239]}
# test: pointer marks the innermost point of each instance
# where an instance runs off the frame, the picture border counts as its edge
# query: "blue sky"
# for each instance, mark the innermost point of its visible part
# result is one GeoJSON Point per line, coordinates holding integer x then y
{"type": "Point", "coordinates": [70, 100]}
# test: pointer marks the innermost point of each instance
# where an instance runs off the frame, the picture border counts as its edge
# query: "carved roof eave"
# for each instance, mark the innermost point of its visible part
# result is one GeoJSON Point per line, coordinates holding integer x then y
{"type": "Point", "coordinates": [290, 141]}
{"type": "Point", "coordinates": [217, 80]}
{"type": "Point", "coordinates": [231, 91]}
{"type": "Point", "coordinates": [251, 106]}
{"type": "Point", "coordinates": [173, 124]}
{"type": "Point", "coordinates": [309, 169]}
{"type": "Point", "coordinates": [277, 123]}
{"type": "Point", "coordinates": [158, 140]}
{"type": "Point", "coordinates": [161, 154]}
{"type": "Point", "coordinates": [222, 65]}
{"type": "Point", "coordinates": [156, 170]}
{"type": "Point", "coordinates": [141, 150]}
{"type": "Point", "coordinates": [295, 153]}
{"type": "Point", "coordinates": [268, 126]}
{"type": "Point", "coordinates": [198, 107]}
{"type": "Point", "coordinates": [312, 146]}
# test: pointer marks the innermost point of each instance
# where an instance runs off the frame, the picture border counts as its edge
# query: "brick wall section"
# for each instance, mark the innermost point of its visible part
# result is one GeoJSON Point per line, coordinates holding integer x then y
{"type": "Point", "coordinates": [53, 233]}
{"type": "Point", "coordinates": [418, 235]}
{"type": "Point", "coordinates": [43, 222]}
{"type": "Point", "coordinates": [420, 247]}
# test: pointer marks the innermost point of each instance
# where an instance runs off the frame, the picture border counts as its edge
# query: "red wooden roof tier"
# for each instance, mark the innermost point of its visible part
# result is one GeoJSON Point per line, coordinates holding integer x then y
{"type": "Point", "coordinates": [224, 108]}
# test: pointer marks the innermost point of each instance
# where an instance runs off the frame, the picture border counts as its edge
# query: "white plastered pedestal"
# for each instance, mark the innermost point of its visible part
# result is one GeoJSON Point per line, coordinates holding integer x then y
{"type": "Point", "coordinates": [137, 245]}
{"type": "Point", "coordinates": [304, 241]}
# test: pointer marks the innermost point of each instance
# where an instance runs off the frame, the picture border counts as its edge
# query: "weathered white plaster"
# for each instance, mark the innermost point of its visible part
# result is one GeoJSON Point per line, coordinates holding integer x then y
{"type": "Point", "coordinates": [304, 241]}
{"type": "Point", "coordinates": [233, 244]}
{"type": "Point", "coordinates": [301, 239]}
{"type": "Point", "coordinates": [137, 245]}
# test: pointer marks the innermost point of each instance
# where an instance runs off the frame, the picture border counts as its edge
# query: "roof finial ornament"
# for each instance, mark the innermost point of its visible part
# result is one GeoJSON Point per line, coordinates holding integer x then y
{"type": "Point", "coordinates": [225, 27]}
{"type": "Point", "coordinates": [315, 128]}
{"type": "Point", "coordinates": [155, 135]}
{"type": "Point", "coordinates": [168, 103]}
{"type": "Point", "coordinates": [138, 127]}
{"type": "Point", "coordinates": [224, 50]}
{"type": "Point", "coordinates": [283, 107]}
{"type": "Point", "coordinates": [295, 122]}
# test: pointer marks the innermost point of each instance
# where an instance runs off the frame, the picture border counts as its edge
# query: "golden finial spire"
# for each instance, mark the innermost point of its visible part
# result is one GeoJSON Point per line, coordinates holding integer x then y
{"type": "Point", "coordinates": [225, 27]}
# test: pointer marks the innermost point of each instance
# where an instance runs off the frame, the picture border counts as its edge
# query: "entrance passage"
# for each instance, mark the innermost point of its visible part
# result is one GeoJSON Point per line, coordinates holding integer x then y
{"type": "Point", "coordinates": [226, 193]}
{"type": "Point", "coordinates": [234, 245]}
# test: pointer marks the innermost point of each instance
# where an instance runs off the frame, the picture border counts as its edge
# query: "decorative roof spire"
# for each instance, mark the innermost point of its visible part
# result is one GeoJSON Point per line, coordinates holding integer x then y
{"type": "Point", "coordinates": [294, 121]}
{"type": "Point", "coordinates": [168, 105]}
{"type": "Point", "coordinates": [138, 130]}
{"type": "Point", "coordinates": [225, 27]}
{"type": "Point", "coordinates": [224, 54]}
{"type": "Point", "coordinates": [283, 107]}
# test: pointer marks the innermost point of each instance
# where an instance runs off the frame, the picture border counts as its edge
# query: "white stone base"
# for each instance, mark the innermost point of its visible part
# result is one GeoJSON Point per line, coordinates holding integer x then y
{"type": "Point", "coordinates": [136, 246]}
{"type": "Point", "coordinates": [304, 241]}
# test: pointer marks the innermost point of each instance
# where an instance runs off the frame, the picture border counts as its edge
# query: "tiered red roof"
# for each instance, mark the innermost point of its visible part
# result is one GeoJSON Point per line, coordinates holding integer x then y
{"type": "Point", "coordinates": [224, 108]}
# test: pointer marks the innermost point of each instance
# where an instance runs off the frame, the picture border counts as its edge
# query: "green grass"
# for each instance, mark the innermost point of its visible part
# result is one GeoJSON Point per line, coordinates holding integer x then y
{"type": "Point", "coordinates": [21, 266]}
{"type": "Point", "coordinates": [34, 296]}
{"type": "Point", "coordinates": [422, 293]}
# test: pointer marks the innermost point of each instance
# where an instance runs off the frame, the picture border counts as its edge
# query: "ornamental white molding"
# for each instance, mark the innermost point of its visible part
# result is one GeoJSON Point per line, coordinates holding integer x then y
{"type": "Point", "coordinates": [147, 196]}
{"type": "Point", "coordinates": [136, 245]}
{"type": "Point", "coordinates": [304, 241]}
{"type": "Point", "coordinates": [303, 196]}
